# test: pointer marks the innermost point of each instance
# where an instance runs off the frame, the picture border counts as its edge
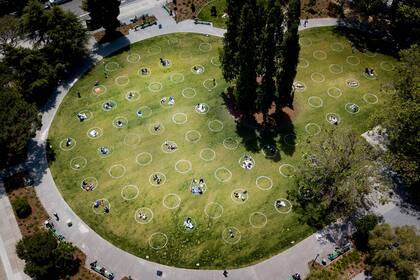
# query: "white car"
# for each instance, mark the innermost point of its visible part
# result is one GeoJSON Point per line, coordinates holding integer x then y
{"type": "Point", "coordinates": [57, 2]}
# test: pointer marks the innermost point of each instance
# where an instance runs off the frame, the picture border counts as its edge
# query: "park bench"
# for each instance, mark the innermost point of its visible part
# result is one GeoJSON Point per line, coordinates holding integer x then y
{"type": "Point", "coordinates": [101, 270]}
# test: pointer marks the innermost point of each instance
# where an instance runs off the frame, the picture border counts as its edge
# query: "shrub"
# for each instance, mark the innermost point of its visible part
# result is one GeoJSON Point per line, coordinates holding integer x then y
{"type": "Point", "coordinates": [22, 207]}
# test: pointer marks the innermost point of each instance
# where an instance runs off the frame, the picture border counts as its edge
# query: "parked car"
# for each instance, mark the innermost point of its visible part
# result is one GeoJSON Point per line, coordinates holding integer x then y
{"type": "Point", "coordinates": [57, 2]}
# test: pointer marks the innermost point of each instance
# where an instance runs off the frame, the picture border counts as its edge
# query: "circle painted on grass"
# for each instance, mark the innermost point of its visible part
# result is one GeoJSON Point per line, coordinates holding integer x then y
{"type": "Point", "coordinates": [171, 201]}
{"type": "Point", "coordinates": [90, 181]}
{"type": "Point", "coordinates": [264, 183]}
{"type": "Point", "coordinates": [370, 54]}
{"type": "Point", "coordinates": [210, 84]}
{"type": "Point", "coordinates": [176, 78]}
{"type": "Point", "coordinates": [130, 192]}
{"type": "Point", "coordinates": [230, 143]}
{"type": "Point", "coordinates": [337, 47]}
{"type": "Point", "coordinates": [387, 66]}
{"type": "Point", "coordinates": [173, 41]}
{"type": "Point", "coordinates": [370, 98]}
{"type": "Point", "coordinates": [179, 118]}
{"type": "Point", "coordinates": [257, 219]}
{"type": "Point", "coordinates": [78, 163]}
{"type": "Point", "coordinates": [67, 144]}
{"type": "Point", "coordinates": [388, 88]}
{"type": "Point", "coordinates": [205, 47]}
{"type": "Point", "coordinates": [155, 86]}
{"type": "Point", "coordinates": [158, 240]}
{"type": "Point", "coordinates": [353, 60]}
{"type": "Point", "coordinates": [103, 203]}
{"type": "Point", "coordinates": [133, 58]}
{"type": "Point", "coordinates": [213, 210]}
{"type": "Point", "coordinates": [122, 81]}
{"type": "Point", "coordinates": [99, 90]}
{"type": "Point", "coordinates": [112, 66]}
{"type": "Point", "coordinates": [154, 49]}
{"type": "Point", "coordinates": [352, 108]}
{"type": "Point", "coordinates": [222, 174]}
{"type": "Point", "coordinates": [303, 63]}
{"type": "Point", "coordinates": [192, 136]}
{"type": "Point", "coordinates": [144, 158]}
{"type": "Point", "coordinates": [117, 171]}
{"type": "Point", "coordinates": [183, 166]}
{"type": "Point", "coordinates": [207, 154]}
{"type": "Point", "coordinates": [305, 42]}
{"type": "Point", "coordinates": [188, 93]}
{"type": "Point", "coordinates": [120, 122]}
{"type": "Point", "coordinates": [132, 95]}
{"type": "Point", "coordinates": [156, 128]}
{"type": "Point", "coordinates": [197, 69]}
{"type": "Point", "coordinates": [335, 68]}
{"type": "Point", "coordinates": [143, 215]}
{"type": "Point", "coordinates": [317, 77]}
{"type": "Point", "coordinates": [85, 113]}
{"type": "Point", "coordinates": [132, 139]}
{"type": "Point", "coordinates": [146, 112]}
{"type": "Point", "coordinates": [283, 209]}
{"type": "Point", "coordinates": [157, 179]}
{"type": "Point", "coordinates": [215, 125]}
{"type": "Point", "coordinates": [184, 55]}
{"type": "Point", "coordinates": [320, 55]}
{"type": "Point", "coordinates": [287, 170]}
{"type": "Point", "coordinates": [315, 101]}
{"type": "Point", "coordinates": [231, 235]}
{"type": "Point", "coordinates": [334, 92]}
{"type": "Point", "coordinates": [215, 61]}
{"type": "Point", "coordinates": [312, 129]}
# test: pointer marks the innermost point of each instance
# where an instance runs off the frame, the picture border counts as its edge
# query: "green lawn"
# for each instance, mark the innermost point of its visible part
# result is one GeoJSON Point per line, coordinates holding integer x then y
{"type": "Point", "coordinates": [260, 230]}
{"type": "Point", "coordinates": [217, 21]}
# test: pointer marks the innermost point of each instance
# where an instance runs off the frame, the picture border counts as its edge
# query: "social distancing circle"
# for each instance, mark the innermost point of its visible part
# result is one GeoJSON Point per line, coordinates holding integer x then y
{"type": "Point", "coordinates": [192, 136]}
{"type": "Point", "coordinates": [144, 158]}
{"type": "Point", "coordinates": [117, 171]}
{"type": "Point", "coordinates": [183, 166]}
{"type": "Point", "coordinates": [230, 143]}
{"type": "Point", "coordinates": [179, 118]}
{"type": "Point", "coordinates": [257, 219]}
{"type": "Point", "coordinates": [158, 240]}
{"type": "Point", "coordinates": [213, 210]}
{"type": "Point", "coordinates": [207, 154]}
{"type": "Point", "coordinates": [264, 183]}
{"type": "Point", "coordinates": [188, 93]}
{"type": "Point", "coordinates": [171, 201]}
{"type": "Point", "coordinates": [130, 192]}
{"type": "Point", "coordinates": [78, 163]}
{"type": "Point", "coordinates": [287, 170]}
{"type": "Point", "coordinates": [222, 174]}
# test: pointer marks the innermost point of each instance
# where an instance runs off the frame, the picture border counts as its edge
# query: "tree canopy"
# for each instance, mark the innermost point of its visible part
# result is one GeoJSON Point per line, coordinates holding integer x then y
{"type": "Point", "coordinates": [45, 258]}
{"type": "Point", "coordinates": [103, 13]}
{"type": "Point", "coordinates": [394, 253]}
{"type": "Point", "coordinates": [333, 180]}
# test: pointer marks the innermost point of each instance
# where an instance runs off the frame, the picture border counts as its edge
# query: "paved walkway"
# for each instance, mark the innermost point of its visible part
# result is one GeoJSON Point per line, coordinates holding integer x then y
{"type": "Point", "coordinates": [120, 262]}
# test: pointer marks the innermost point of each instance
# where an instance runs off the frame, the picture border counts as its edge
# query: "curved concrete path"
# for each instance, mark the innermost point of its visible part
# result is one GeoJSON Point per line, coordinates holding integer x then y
{"type": "Point", "coordinates": [94, 246]}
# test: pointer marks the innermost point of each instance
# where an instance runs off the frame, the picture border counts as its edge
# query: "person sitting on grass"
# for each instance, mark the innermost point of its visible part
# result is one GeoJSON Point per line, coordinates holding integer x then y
{"type": "Point", "coordinates": [171, 100]}
{"type": "Point", "coordinates": [188, 223]}
{"type": "Point", "coordinates": [280, 204]}
{"type": "Point", "coordinates": [142, 216]}
{"type": "Point", "coordinates": [156, 127]}
{"type": "Point", "coordinates": [200, 107]}
{"type": "Point", "coordinates": [81, 116]}
{"type": "Point", "coordinates": [247, 163]}
{"type": "Point", "coordinates": [139, 113]}
{"type": "Point", "coordinates": [156, 178]}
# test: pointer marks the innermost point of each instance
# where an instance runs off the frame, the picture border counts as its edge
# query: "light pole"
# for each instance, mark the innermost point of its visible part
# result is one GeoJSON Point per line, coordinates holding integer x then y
{"type": "Point", "coordinates": [313, 263]}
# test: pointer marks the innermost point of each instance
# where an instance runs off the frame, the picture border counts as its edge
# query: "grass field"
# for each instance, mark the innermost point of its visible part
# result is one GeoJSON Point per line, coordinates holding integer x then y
{"type": "Point", "coordinates": [207, 147]}
{"type": "Point", "coordinates": [217, 21]}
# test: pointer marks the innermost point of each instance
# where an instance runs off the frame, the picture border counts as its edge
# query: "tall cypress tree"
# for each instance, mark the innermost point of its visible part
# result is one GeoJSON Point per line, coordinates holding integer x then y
{"type": "Point", "coordinates": [246, 82]}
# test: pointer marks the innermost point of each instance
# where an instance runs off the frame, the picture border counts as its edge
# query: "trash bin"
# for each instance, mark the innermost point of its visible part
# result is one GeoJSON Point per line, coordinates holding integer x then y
{"type": "Point", "coordinates": [159, 273]}
{"type": "Point", "coordinates": [160, 26]}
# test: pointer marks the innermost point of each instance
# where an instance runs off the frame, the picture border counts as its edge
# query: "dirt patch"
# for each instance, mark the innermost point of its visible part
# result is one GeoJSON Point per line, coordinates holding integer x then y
{"type": "Point", "coordinates": [320, 8]}
{"type": "Point", "coordinates": [289, 113]}
{"type": "Point", "coordinates": [188, 9]}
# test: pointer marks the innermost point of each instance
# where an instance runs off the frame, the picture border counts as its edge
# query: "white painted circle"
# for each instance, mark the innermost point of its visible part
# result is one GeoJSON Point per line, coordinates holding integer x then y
{"type": "Point", "coordinates": [312, 129]}
{"type": "Point", "coordinates": [226, 235]}
{"type": "Point", "coordinates": [119, 174]}
{"type": "Point", "coordinates": [387, 66]}
{"type": "Point", "coordinates": [123, 120]}
{"type": "Point", "coordinates": [78, 163]}
{"type": "Point", "coordinates": [289, 209]}
{"type": "Point", "coordinates": [212, 123]}
{"type": "Point", "coordinates": [141, 158]}
{"type": "Point", "coordinates": [67, 148]}
{"type": "Point", "coordinates": [315, 101]}
{"type": "Point", "coordinates": [388, 88]}
{"type": "Point", "coordinates": [192, 136]}
{"type": "Point", "coordinates": [220, 178]}
{"type": "Point", "coordinates": [257, 225]}
{"type": "Point", "coordinates": [154, 49]}
{"type": "Point", "coordinates": [122, 81]}
{"type": "Point", "coordinates": [155, 86]}
{"type": "Point", "coordinates": [155, 184]}
{"type": "Point", "coordinates": [370, 54]}
{"type": "Point", "coordinates": [99, 90]}
{"type": "Point", "coordinates": [205, 157]}
{"type": "Point", "coordinates": [176, 78]}
{"type": "Point", "coordinates": [352, 60]}
{"type": "Point", "coordinates": [179, 118]}
{"type": "Point", "coordinates": [132, 139]}
{"type": "Point", "coordinates": [283, 170]}
{"type": "Point", "coordinates": [335, 68]}
{"type": "Point", "coordinates": [215, 61]}
{"type": "Point", "coordinates": [112, 66]}
{"type": "Point", "coordinates": [230, 143]}
{"type": "Point", "coordinates": [140, 211]}
{"type": "Point", "coordinates": [128, 188]}
{"type": "Point", "coordinates": [208, 212]}
{"type": "Point", "coordinates": [370, 98]}
{"type": "Point", "coordinates": [303, 63]}
{"type": "Point", "coordinates": [334, 92]}
{"type": "Point", "coordinates": [133, 58]}
{"type": "Point", "coordinates": [210, 84]}
{"type": "Point", "coordinates": [337, 47]}
{"type": "Point", "coordinates": [320, 55]}
{"type": "Point", "coordinates": [305, 42]}
{"type": "Point", "coordinates": [181, 170]}
{"type": "Point", "coordinates": [168, 205]}
{"type": "Point", "coordinates": [264, 183]}
{"type": "Point", "coordinates": [188, 93]}
{"type": "Point", "coordinates": [205, 47]}
{"type": "Point", "coordinates": [317, 77]}
{"type": "Point", "coordinates": [154, 236]}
